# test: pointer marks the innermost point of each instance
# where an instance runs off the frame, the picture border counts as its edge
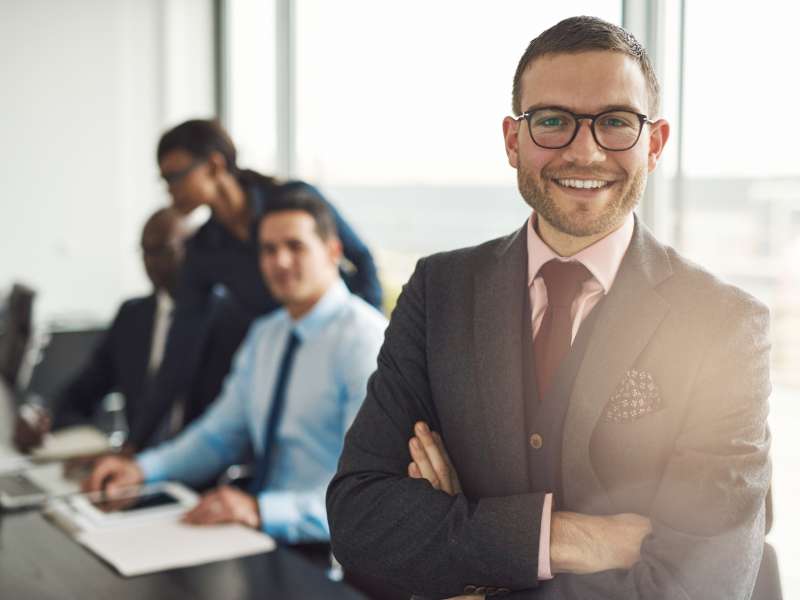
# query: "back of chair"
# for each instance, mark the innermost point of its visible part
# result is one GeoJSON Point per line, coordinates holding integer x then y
{"type": "Point", "coordinates": [17, 332]}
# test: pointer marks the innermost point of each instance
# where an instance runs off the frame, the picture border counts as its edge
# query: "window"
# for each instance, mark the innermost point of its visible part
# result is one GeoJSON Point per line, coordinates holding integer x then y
{"type": "Point", "coordinates": [399, 110]}
{"type": "Point", "coordinates": [737, 206]}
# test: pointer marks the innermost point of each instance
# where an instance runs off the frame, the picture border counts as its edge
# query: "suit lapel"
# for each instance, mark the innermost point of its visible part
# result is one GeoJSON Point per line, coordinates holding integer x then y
{"type": "Point", "coordinates": [628, 318]}
{"type": "Point", "coordinates": [500, 286]}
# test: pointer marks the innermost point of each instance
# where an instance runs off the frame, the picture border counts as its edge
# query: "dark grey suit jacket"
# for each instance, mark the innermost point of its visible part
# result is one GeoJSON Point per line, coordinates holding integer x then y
{"type": "Point", "coordinates": [694, 459]}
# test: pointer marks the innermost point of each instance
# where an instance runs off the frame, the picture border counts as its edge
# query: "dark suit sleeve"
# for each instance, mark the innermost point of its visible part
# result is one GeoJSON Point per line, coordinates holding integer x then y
{"type": "Point", "coordinates": [364, 281]}
{"type": "Point", "coordinates": [387, 525]}
{"type": "Point", "coordinates": [708, 515]}
{"type": "Point", "coordinates": [80, 397]}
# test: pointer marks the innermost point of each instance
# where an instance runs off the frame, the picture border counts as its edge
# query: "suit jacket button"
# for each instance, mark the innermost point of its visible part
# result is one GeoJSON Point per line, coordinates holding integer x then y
{"type": "Point", "coordinates": [470, 589]}
{"type": "Point", "coordinates": [536, 441]}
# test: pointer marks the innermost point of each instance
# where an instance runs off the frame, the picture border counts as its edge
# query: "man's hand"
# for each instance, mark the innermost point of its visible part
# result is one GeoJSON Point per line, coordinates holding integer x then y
{"type": "Point", "coordinates": [585, 544]}
{"type": "Point", "coordinates": [225, 505]}
{"type": "Point", "coordinates": [112, 473]}
{"type": "Point", "coordinates": [32, 423]}
{"type": "Point", "coordinates": [579, 543]}
{"type": "Point", "coordinates": [429, 460]}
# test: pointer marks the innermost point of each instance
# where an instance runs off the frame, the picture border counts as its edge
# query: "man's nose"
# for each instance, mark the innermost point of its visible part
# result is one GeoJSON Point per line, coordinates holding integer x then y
{"type": "Point", "coordinates": [283, 258]}
{"type": "Point", "coordinates": [584, 150]}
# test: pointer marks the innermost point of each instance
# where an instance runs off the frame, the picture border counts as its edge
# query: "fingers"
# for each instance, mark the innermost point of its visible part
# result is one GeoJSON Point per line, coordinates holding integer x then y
{"type": "Point", "coordinates": [30, 428]}
{"type": "Point", "coordinates": [437, 456]}
{"type": "Point", "coordinates": [420, 458]}
{"type": "Point", "coordinates": [111, 474]}
{"type": "Point", "coordinates": [210, 510]}
{"type": "Point", "coordinates": [225, 505]}
{"type": "Point", "coordinates": [454, 482]}
{"type": "Point", "coordinates": [102, 471]}
{"type": "Point", "coordinates": [430, 460]}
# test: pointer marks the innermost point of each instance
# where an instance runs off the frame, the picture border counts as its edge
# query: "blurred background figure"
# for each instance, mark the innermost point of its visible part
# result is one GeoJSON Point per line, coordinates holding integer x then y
{"type": "Point", "coordinates": [197, 160]}
{"type": "Point", "coordinates": [130, 353]}
{"type": "Point", "coordinates": [296, 385]}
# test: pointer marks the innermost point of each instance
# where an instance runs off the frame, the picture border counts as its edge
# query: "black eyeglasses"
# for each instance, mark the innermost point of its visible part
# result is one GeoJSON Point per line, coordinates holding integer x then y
{"type": "Point", "coordinates": [176, 177]}
{"type": "Point", "coordinates": [554, 127]}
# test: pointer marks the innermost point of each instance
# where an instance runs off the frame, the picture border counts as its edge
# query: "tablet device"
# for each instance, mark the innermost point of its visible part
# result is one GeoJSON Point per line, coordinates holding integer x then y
{"type": "Point", "coordinates": [129, 504]}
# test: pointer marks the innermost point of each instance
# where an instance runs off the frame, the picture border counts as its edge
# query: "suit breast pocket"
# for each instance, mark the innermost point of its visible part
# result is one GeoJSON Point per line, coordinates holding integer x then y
{"type": "Point", "coordinates": [632, 439]}
{"type": "Point", "coordinates": [636, 396]}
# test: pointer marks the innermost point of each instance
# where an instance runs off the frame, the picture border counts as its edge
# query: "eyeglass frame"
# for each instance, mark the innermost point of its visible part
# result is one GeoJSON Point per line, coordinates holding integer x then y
{"type": "Point", "coordinates": [176, 177]}
{"type": "Point", "coordinates": [583, 117]}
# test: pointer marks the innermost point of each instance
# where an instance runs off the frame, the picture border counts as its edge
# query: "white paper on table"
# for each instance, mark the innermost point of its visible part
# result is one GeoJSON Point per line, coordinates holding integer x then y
{"type": "Point", "coordinates": [72, 441]}
{"type": "Point", "coordinates": [169, 544]}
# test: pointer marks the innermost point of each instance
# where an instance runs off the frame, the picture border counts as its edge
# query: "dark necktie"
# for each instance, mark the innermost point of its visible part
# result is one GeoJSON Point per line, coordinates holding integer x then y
{"type": "Point", "coordinates": [275, 413]}
{"type": "Point", "coordinates": [563, 281]}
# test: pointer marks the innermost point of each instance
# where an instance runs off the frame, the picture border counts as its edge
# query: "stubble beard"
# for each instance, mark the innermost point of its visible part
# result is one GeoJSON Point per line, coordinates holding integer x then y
{"type": "Point", "coordinates": [536, 195]}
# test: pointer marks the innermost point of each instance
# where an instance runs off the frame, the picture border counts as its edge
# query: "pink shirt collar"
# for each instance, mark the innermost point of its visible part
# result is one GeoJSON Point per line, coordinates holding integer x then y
{"type": "Point", "coordinates": [602, 258]}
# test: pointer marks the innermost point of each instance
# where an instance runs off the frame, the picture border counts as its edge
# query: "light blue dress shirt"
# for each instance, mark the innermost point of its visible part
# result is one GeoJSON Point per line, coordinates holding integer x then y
{"type": "Point", "coordinates": [340, 338]}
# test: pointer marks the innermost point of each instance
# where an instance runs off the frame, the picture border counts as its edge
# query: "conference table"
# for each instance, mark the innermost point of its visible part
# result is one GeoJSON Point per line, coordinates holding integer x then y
{"type": "Point", "coordinates": [39, 561]}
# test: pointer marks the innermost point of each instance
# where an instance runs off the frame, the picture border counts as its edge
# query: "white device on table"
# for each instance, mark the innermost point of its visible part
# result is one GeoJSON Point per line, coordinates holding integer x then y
{"type": "Point", "coordinates": [99, 510]}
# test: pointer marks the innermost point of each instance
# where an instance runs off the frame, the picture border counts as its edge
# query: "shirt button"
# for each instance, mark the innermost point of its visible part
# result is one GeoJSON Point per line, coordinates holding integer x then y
{"type": "Point", "coordinates": [536, 441]}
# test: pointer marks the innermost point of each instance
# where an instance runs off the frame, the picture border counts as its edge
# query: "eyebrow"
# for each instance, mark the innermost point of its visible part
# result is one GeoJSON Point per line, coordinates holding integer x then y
{"type": "Point", "coordinates": [604, 109]}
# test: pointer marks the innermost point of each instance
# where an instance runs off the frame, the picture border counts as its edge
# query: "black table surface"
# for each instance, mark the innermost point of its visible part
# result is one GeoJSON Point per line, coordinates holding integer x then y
{"type": "Point", "coordinates": [39, 561]}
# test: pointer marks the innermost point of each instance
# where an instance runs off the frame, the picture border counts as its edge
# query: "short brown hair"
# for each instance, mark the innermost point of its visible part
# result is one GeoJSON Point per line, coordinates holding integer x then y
{"type": "Point", "coordinates": [583, 34]}
{"type": "Point", "coordinates": [296, 196]}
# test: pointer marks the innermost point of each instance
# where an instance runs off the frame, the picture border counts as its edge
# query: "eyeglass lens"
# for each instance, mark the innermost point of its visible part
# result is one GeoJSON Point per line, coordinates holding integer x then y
{"type": "Point", "coordinates": [614, 130]}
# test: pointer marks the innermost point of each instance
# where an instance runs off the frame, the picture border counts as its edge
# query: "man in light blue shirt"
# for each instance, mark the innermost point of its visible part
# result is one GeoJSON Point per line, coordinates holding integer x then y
{"type": "Point", "coordinates": [296, 385]}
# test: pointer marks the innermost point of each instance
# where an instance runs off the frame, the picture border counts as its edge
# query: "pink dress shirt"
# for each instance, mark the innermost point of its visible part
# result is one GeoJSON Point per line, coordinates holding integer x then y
{"type": "Point", "coordinates": [602, 259]}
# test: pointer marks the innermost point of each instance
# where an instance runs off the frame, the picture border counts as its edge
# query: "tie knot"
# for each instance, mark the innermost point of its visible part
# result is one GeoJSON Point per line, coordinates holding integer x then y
{"type": "Point", "coordinates": [293, 342]}
{"type": "Point", "coordinates": [563, 281]}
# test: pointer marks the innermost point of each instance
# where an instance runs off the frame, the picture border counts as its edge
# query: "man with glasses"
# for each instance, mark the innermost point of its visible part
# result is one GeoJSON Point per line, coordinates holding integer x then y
{"type": "Point", "coordinates": [573, 411]}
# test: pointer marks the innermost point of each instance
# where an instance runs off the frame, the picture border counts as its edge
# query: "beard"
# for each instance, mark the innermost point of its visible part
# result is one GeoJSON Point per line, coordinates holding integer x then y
{"type": "Point", "coordinates": [534, 192]}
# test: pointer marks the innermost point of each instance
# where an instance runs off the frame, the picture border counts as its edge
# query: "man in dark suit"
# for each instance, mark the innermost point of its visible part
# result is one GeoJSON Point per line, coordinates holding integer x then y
{"type": "Point", "coordinates": [128, 356]}
{"type": "Point", "coordinates": [599, 402]}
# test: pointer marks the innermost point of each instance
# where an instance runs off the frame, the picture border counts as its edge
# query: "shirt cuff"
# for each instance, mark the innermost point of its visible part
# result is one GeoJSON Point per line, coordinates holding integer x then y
{"type": "Point", "coordinates": [152, 468]}
{"type": "Point", "coordinates": [279, 514]}
{"type": "Point", "coordinates": [544, 539]}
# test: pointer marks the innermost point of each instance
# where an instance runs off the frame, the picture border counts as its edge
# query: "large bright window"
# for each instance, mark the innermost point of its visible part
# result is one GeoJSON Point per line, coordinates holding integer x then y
{"type": "Point", "coordinates": [399, 111]}
{"type": "Point", "coordinates": [736, 210]}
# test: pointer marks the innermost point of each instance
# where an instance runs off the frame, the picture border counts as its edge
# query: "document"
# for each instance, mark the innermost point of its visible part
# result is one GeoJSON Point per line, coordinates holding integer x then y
{"type": "Point", "coordinates": [169, 544]}
{"type": "Point", "coordinates": [144, 534]}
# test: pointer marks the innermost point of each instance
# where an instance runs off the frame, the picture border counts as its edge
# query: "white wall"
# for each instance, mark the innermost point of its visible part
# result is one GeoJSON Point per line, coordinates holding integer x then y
{"type": "Point", "coordinates": [86, 88]}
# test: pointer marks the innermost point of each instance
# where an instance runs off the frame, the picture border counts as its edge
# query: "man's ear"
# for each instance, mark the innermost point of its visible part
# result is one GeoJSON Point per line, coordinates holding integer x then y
{"type": "Point", "coordinates": [334, 247]}
{"type": "Point", "coordinates": [511, 137]}
{"type": "Point", "coordinates": [659, 134]}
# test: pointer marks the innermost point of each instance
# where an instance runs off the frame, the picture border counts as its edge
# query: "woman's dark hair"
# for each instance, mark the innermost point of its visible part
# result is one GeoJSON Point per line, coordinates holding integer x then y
{"type": "Point", "coordinates": [200, 138]}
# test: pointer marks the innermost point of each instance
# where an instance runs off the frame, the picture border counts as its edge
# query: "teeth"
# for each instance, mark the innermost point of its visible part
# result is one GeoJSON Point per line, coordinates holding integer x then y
{"type": "Point", "coordinates": [583, 183]}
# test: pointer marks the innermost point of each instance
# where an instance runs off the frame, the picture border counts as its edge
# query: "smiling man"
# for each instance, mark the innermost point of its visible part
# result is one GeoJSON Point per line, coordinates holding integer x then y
{"type": "Point", "coordinates": [296, 384]}
{"type": "Point", "coordinates": [598, 403]}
